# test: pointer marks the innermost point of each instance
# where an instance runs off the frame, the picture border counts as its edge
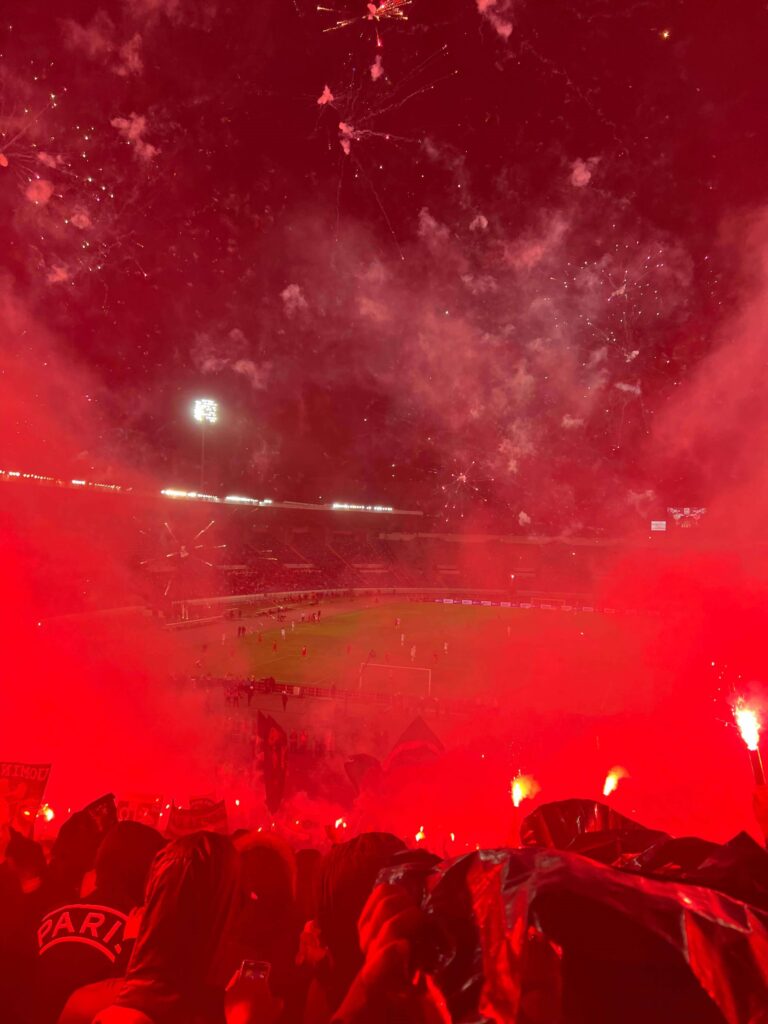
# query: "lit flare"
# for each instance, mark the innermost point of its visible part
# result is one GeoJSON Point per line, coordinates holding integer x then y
{"type": "Point", "coordinates": [613, 778]}
{"type": "Point", "coordinates": [523, 787]}
{"type": "Point", "coordinates": [748, 724]}
{"type": "Point", "coordinates": [46, 812]}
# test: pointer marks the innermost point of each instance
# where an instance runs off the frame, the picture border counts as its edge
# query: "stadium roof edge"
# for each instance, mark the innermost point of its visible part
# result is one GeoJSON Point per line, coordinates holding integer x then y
{"type": "Point", "coordinates": [230, 500]}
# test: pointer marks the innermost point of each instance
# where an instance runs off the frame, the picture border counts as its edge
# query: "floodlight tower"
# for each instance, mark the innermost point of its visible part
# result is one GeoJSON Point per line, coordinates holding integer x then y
{"type": "Point", "coordinates": [205, 410]}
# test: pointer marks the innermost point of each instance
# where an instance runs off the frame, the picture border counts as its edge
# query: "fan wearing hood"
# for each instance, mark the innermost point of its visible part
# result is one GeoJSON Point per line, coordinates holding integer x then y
{"type": "Point", "coordinates": [86, 939]}
{"type": "Point", "coordinates": [179, 971]}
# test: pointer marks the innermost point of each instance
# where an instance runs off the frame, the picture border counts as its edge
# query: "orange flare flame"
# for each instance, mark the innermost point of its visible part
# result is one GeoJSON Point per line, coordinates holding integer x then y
{"type": "Point", "coordinates": [523, 787]}
{"type": "Point", "coordinates": [748, 724]}
{"type": "Point", "coordinates": [613, 778]}
{"type": "Point", "coordinates": [46, 812]}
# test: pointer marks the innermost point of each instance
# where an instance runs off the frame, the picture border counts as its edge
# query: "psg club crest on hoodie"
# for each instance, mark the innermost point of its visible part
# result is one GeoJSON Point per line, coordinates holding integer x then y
{"type": "Point", "coordinates": [99, 927]}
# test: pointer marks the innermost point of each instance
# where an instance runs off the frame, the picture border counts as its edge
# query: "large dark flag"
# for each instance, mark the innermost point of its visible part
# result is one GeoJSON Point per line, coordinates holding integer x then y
{"type": "Point", "coordinates": [588, 827]}
{"type": "Point", "coordinates": [274, 747]}
{"type": "Point", "coordinates": [363, 771]}
{"type": "Point", "coordinates": [417, 745]}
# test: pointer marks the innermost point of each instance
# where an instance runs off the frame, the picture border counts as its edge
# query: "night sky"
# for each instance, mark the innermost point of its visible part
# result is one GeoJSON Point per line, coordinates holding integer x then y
{"type": "Point", "coordinates": [464, 262]}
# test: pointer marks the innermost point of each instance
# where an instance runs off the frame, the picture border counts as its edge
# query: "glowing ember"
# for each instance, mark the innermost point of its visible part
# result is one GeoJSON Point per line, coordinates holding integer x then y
{"type": "Point", "coordinates": [386, 10]}
{"type": "Point", "coordinates": [523, 787]}
{"type": "Point", "coordinates": [421, 835]}
{"type": "Point", "coordinates": [613, 778]}
{"type": "Point", "coordinates": [47, 812]}
{"type": "Point", "coordinates": [748, 724]}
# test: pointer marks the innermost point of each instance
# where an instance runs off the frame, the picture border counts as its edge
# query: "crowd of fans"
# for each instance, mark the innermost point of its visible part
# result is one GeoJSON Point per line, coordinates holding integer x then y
{"type": "Point", "coordinates": [240, 692]}
{"type": "Point", "coordinates": [117, 924]}
{"type": "Point", "coordinates": [274, 561]}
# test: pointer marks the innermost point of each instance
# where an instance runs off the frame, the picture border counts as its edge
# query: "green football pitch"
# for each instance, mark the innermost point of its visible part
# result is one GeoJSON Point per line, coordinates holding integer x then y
{"type": "Point", "coordinates": [487, 648]}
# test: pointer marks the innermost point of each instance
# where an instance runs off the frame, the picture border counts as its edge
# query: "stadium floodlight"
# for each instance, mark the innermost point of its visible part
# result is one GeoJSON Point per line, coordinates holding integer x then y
{"type": "Point", "coordinates": [205, 410]}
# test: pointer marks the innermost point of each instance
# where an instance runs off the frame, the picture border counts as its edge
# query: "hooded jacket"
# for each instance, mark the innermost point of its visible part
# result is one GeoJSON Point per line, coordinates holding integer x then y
{"type": "Point", "coordinates": [346, 878]}
{"type": "Point", "coordinates": [174, 976]}
{"type": "Point", "coordinates": [83, 940]}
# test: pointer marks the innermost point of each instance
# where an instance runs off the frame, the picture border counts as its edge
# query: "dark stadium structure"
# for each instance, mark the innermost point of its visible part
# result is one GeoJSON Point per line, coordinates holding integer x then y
{"type": "Point", "coordinates": [166, 548]}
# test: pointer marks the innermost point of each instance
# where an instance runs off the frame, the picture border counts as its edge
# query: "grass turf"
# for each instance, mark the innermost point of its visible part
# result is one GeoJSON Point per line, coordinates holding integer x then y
{"type": "Point", "coordinates": [486, 646]}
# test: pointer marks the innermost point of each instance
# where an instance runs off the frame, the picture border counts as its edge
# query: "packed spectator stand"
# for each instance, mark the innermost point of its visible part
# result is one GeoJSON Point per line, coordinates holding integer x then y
{"type": "Point", "coordinates": [268, 562]}
{"type": "Point", "coordinates": [584, 916]}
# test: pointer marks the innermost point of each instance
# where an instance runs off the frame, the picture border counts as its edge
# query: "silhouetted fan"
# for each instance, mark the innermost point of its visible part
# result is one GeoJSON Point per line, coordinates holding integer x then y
{"type": "Point", "coordinates": [274, 747]}
{"type": "Point", "coordinates": [184, 555]}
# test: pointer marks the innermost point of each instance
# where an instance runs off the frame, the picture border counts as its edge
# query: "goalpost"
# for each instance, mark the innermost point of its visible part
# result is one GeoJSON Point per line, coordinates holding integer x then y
{"type": "Point", "coordinates": [408, 679]}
